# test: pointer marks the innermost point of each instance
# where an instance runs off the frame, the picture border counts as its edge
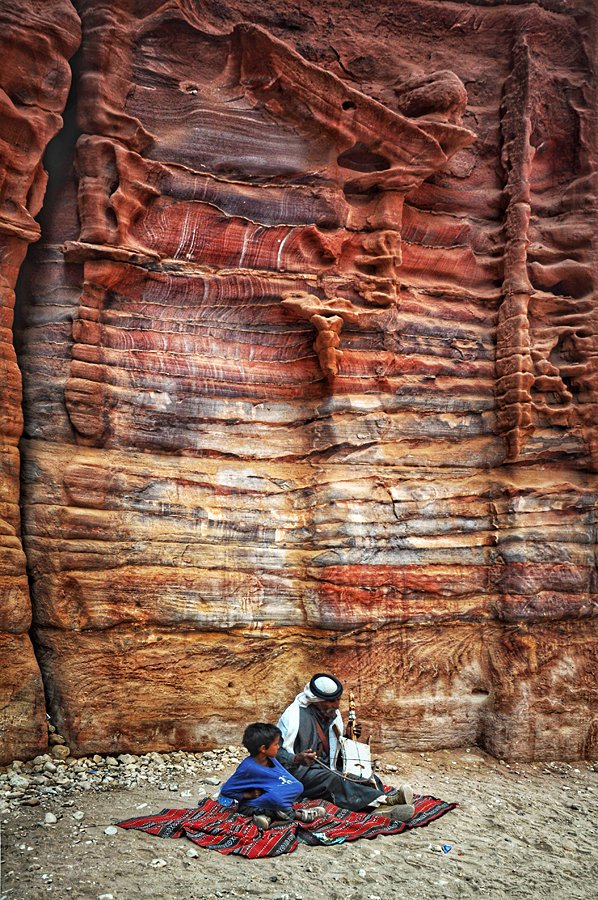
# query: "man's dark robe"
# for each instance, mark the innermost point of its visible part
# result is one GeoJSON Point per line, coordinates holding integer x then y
{"type": "Point", "coordinates": [319, 783]}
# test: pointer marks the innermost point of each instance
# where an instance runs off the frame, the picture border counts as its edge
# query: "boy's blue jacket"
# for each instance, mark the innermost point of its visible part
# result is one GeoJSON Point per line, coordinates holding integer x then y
{"type": "Point", "coordinates": [281, 790]}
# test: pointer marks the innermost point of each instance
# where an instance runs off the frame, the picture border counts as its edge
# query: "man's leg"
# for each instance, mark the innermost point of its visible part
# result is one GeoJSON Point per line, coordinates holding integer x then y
{"type": "Point", "coordinates": [319, 783]}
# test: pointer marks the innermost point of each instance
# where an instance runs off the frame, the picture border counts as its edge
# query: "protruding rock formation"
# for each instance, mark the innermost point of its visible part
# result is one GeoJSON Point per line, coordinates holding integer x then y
{"type": "Point", "coordinates": [308, 355]}
{"type": "Point", "coordinates": [327, 317]}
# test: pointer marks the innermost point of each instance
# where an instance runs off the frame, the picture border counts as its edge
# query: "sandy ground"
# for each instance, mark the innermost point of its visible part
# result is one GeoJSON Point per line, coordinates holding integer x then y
{"type": "Point", "coordinates": [520, 831]}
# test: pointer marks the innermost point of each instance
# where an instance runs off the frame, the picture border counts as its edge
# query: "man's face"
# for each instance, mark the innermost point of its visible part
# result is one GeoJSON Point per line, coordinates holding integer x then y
{"type": "Point", "coordinates": [328, 708]}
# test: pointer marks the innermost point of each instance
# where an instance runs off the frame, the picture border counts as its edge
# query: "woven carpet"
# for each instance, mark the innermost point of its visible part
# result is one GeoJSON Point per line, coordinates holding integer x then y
{"type": "Point", "coordinates": [218, 828]}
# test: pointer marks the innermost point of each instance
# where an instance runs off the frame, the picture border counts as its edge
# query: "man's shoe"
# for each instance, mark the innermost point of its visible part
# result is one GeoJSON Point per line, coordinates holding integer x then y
{"type": "Point", "coordinates": [403, 812]}
{"type": "Point", "coordinates": [400, 796]}
{"type": "Point", "coordinates": [262, 822]}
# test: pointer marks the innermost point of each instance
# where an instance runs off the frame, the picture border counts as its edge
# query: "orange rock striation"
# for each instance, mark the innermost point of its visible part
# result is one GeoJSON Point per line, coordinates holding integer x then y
{"type": "Point", "coordinates": [308, 357]}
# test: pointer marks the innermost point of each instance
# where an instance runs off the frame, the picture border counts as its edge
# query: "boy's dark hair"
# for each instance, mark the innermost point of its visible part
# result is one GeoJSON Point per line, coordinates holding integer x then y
{"type": "Point", "coordinates": [259, 734]}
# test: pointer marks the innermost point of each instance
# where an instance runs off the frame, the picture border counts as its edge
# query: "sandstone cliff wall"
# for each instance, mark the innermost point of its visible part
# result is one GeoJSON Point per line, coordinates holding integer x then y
{"type": "Point", "coordinates": [34, 83]}
{"type": "Point", "coordinates": [309, 352]}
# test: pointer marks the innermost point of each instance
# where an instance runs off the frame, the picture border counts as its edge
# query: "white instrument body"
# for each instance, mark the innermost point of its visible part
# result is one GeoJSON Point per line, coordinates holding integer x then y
{"type": "Point", "coordinates": [353, 760]}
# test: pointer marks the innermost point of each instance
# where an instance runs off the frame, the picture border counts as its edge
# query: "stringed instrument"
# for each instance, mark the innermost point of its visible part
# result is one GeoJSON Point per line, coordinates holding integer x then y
{"type": "Point", "coordinates": [353, 758]}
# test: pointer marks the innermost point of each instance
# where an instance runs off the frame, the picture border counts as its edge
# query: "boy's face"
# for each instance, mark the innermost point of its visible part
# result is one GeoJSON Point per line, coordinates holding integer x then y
{"type": "Point", "coordinates": [272, 750]}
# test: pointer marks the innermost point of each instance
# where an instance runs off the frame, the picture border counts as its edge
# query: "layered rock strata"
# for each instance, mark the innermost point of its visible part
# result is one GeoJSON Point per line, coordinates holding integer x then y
{"type": "Point", "coordinates": [311, 388]}
{"type": "Point", "coordinates": [34, 82]}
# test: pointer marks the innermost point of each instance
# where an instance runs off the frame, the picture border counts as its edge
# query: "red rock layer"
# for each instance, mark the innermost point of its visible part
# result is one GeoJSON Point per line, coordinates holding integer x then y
{"type": "Point", "coordinates": [305, 416]}
{"type": "Point", "coordinates": [34, 80]}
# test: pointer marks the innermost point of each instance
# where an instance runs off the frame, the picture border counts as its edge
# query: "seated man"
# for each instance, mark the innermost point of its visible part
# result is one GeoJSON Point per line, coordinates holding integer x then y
{"type": "Point", "coordinates": [313, 721]}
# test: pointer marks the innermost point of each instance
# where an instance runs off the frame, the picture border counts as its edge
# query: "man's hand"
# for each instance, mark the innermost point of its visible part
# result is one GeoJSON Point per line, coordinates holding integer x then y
{"type": "Point", "coordinates": [356, 731]}
{"type": "Point", "coordinates": [307, 758]}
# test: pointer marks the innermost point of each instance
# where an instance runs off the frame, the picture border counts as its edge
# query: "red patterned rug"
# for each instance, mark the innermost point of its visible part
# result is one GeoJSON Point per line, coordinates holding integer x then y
{"type": "Point", "coordinates": [219, 828]}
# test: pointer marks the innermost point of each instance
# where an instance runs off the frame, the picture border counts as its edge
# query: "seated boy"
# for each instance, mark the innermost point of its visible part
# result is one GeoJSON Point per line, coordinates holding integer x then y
{"type": "Point", "coordinates": [261, 777]}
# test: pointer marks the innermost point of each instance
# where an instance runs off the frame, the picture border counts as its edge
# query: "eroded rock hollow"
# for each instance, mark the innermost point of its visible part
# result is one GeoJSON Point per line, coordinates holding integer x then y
{"type": "Point", "coordinates": [309, 350]}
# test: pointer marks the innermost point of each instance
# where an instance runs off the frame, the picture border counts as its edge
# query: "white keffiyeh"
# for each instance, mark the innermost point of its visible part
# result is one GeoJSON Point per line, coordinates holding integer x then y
{"type": "Point", "coordinates": [289, 721]}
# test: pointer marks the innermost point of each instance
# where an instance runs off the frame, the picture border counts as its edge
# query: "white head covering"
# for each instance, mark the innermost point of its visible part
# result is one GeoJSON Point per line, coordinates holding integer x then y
{"type": "Point", "coordinates": [325, 685]}
{"type": "Point", "coordinates": [289, 720]}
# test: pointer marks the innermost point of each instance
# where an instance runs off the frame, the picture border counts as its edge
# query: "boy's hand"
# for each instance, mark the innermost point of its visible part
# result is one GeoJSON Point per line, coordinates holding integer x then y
{"type": "Point", "coordinates": [307, 758]}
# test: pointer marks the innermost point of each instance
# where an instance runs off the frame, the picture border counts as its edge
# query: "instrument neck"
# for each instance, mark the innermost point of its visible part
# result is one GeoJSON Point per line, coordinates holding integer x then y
{"type": "Point", "coordinates": [351, 720]}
